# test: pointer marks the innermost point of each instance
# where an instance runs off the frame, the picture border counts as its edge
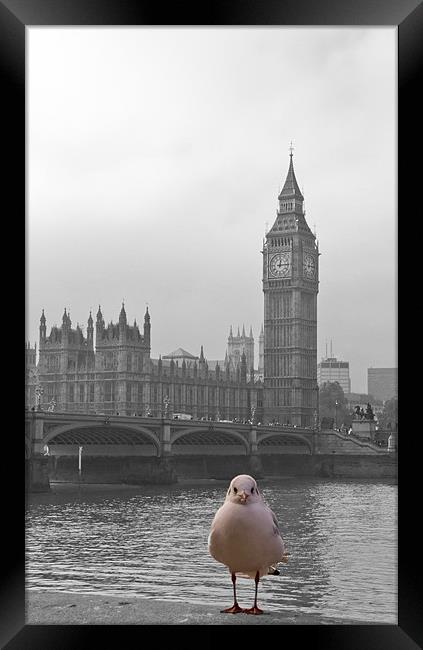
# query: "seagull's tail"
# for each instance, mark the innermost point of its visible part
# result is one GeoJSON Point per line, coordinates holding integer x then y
{"type": "Point", "coordinates": [273, 571]}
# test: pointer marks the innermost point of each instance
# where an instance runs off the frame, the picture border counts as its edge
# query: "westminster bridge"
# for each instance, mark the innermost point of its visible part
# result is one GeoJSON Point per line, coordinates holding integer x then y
{"type": "Point", "coordinates": [118, 448]}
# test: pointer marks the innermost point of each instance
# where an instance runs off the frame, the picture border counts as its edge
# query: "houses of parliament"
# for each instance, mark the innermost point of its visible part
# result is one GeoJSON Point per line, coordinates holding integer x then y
{"type": "Point", "coordinates": [110, 370]}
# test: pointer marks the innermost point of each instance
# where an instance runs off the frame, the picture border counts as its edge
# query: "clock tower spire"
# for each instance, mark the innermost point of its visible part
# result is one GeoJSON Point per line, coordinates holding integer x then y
{"type": "Point", "coordinates": [290, 286]}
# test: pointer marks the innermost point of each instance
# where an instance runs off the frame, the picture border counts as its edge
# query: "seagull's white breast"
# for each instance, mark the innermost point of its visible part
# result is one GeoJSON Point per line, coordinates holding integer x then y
{"type": "Point", "coordinates": [244, 538]}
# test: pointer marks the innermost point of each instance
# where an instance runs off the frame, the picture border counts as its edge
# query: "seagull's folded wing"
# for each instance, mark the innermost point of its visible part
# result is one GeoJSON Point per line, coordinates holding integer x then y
{"type": "Point", "coordinates": [276, 530]}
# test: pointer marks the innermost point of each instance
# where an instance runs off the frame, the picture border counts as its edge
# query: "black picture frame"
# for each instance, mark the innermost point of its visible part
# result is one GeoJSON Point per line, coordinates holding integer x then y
{"type": "Point", "coordinates": [15, 15]}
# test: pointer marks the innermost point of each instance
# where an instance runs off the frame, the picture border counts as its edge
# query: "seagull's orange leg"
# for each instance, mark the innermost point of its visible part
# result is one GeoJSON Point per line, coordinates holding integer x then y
{"type": "Point", "coordinates": [235, 609]}
{"type": "Point", "coordinates": [254, 609]}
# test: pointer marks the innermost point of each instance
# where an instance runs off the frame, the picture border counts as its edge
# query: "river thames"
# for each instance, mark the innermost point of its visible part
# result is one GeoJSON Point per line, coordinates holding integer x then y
{"type": "Point", "coordinates": [151, 541]}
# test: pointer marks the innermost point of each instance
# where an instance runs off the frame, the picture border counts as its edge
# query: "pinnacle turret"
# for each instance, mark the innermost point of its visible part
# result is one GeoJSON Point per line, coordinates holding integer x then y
{"type": "Point", "coordinates": [66, 321]}
{"type": "Point", "coordinates": [90, 330]}
{"type": "Point", "coordinates": [147, 327]}
{"type": "Point", "coordinates": [291, 188]}
{"type": "Point", "coordinates": [42, 328]}
{"type": "Point", "coordinates": [122, 315]}
{"type": "Point", "coordinates": [290, 214]}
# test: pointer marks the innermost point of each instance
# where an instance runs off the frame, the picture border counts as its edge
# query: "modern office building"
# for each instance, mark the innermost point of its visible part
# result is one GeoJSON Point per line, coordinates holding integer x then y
{"type": "Point", "coordinates": [332, 369]}
{"type": "Point", "coordinates": [382, 383]}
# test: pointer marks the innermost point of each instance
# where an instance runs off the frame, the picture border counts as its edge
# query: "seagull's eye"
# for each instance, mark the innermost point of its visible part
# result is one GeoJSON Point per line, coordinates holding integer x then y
{"type": "Point", "coordinates": [252, 490]}
{"type": "Point", "coordinates": [235, 490]}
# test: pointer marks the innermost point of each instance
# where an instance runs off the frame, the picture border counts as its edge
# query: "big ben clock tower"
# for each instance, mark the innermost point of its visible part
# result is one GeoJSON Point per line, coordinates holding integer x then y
{"type": "Point", "coordinates": [290, 286]}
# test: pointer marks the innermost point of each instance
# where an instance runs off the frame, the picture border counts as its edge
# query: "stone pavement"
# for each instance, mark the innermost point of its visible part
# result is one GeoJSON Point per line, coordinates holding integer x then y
{"type": "Point", "coordinates": [60, 608]}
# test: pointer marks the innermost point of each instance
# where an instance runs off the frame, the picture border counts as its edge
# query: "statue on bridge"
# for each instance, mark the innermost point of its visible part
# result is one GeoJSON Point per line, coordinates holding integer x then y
{"type": "Point", "coordinates": [359, 413]}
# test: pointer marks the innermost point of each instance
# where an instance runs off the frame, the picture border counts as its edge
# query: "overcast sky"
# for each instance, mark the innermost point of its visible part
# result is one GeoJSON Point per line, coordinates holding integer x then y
{"type": "Point", "coordinates": [155, 157]}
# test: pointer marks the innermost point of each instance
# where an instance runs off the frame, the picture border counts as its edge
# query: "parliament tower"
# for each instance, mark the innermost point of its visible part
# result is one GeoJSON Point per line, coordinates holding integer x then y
{"type": "Point", "coordinates": [290, 286]}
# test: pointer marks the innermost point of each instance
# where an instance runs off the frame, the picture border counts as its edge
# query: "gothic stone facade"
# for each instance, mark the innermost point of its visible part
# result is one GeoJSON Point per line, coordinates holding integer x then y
{"type": "Point", "coordinates": [117, 375]}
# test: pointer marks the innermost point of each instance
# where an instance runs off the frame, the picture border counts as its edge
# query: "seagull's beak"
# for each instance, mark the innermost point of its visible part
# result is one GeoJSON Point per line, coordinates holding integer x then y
{"type": "Point", "coordinates": [243, 496]}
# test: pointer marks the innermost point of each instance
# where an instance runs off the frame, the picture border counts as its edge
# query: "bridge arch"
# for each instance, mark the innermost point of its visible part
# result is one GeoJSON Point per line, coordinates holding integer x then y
{"type": "Point", "coordinates": [223, 434]}
{"type": "Point", "coordinates": [101, 434]}
{"type": "Point", "coordinates": [284, 438]}
{"type": "Point", "coordinates": [211, 441]}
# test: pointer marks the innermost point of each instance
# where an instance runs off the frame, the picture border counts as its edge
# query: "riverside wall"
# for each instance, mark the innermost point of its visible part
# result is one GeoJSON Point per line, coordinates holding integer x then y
{"type": "Point", "coordinates": [148, 470]}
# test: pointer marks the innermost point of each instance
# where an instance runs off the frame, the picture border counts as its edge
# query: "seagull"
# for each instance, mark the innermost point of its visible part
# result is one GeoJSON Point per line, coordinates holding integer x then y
{"type": "Point", "coordinates": [245, 537]}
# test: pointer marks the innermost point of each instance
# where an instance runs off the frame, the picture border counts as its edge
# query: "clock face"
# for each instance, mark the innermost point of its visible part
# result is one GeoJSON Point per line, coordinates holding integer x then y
{"type": "Point", "coordinates": [309, 266]}
{"type": "Point", "coordinates": [280, 265]}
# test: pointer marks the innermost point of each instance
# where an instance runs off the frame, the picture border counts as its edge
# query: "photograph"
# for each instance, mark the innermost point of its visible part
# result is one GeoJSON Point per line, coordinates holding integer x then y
{"type": "Point", "coordinates": [211, 409]}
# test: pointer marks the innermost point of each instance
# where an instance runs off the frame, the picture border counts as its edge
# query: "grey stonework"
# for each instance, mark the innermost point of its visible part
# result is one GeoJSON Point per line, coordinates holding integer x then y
{"type": "Point", "coordinates": [117, 375]}
{"type": "Point", "coordinates": [290, 286]}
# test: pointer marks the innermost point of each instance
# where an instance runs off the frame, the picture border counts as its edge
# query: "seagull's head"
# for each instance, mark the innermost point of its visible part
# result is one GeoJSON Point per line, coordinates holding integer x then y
{"type": "Point", "coordinates": [243, 489]}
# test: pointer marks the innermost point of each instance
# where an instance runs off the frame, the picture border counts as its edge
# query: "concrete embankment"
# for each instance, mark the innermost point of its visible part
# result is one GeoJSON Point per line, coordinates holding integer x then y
{"type": "Point", "coordinates": [161, 471]}
{"type": "Point", "coordinates": [60, 608]}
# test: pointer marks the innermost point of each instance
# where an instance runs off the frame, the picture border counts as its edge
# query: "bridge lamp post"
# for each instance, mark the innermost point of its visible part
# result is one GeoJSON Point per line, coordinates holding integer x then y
{"type": "Point", "coordinates": [336, 414]}
{"type": "Point", "coordinates": [80, 461]}
{"type": "Point", "coordinates": [166, 402]}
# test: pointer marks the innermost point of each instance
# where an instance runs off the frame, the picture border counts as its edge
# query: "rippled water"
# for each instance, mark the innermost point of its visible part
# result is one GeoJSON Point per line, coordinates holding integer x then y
{"type": "Point", "coordinates": [152, 542]}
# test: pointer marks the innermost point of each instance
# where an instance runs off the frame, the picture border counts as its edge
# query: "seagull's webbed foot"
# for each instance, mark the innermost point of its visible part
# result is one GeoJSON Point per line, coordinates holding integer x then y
{"type": "Point", "coordinates": [253, 610]}
{"type": "Point", "coordinates": [235, 609]}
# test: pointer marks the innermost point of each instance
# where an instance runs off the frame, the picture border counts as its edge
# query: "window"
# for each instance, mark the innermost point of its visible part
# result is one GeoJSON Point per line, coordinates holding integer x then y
{"type": "Point", "coordinates": [108, 361]}
{"type": "Point", "coordinates": [71, 393]}
{"type": "Point", "coordinates": [91, 393]}
{"type": "Point", "coordinates": [109, 392]}
{"type": "Point", "coordinates": [52, 363]}
{"type": "Point", "coordinates": [81, 392]}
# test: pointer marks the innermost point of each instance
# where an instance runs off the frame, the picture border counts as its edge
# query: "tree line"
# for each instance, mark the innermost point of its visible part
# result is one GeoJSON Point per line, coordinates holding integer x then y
{"type": "Point", "coordinates": [333, 406]}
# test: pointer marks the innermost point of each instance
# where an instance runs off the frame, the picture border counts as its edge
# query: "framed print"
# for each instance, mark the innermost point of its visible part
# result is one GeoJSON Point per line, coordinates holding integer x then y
{"type": "Point", "coordinates": [145, 149]}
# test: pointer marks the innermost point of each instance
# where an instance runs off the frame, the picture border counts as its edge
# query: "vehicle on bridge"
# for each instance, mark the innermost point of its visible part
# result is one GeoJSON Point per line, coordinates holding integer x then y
{"type": "Point", "coordinates": [182, 416]}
